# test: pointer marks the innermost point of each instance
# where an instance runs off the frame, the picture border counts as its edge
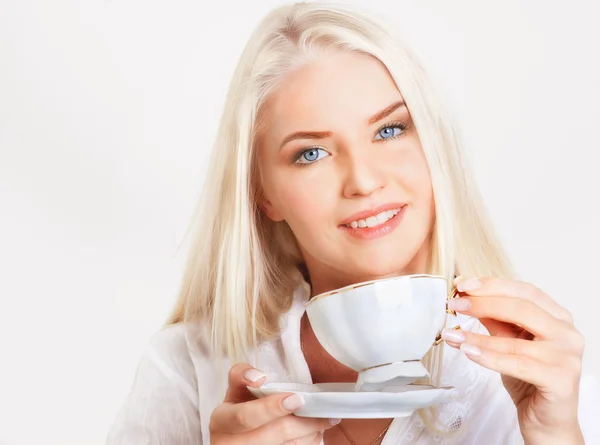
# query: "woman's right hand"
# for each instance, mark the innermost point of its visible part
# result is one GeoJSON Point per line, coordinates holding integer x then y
{"type": "Point", "coordinates": [244, 420]}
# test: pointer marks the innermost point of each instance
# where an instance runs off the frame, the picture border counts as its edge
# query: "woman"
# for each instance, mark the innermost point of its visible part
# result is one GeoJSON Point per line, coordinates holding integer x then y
{"type": "Point", "coordinates": [329, 122]}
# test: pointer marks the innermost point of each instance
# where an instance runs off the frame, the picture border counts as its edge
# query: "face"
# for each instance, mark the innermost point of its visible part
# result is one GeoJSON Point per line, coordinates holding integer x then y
{"type": "Point", "coordinates": [342, 164]}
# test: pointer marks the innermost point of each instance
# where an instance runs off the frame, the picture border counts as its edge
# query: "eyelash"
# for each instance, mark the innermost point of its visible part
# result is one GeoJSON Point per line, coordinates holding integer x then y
{"type": "Point", "coordinates": [398, 124]}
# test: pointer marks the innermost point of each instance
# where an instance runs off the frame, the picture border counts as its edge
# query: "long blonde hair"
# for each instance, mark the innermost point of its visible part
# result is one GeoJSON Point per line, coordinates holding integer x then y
{"type": "Point", "coordinates": [242, 268]}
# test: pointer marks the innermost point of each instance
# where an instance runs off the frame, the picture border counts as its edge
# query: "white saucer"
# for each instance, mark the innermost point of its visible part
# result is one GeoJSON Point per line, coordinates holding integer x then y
{"type": "Point", "coordinates": [339, 400]}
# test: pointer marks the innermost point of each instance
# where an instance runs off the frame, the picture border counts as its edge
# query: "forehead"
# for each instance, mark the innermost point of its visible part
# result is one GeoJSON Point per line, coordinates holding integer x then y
{"type": "Point", "coordinates": [337, 88]}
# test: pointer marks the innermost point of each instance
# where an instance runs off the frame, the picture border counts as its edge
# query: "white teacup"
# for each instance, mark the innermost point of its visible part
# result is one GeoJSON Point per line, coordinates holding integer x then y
{"type": "Point", "coordinates": [382, 328]}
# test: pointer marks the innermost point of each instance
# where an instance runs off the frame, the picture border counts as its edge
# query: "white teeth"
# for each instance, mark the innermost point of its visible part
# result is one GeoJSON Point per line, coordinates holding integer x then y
{"type": "Point", "coordinates": [382, 217]}
{"type": "Point", "coordinates": [373, 221]}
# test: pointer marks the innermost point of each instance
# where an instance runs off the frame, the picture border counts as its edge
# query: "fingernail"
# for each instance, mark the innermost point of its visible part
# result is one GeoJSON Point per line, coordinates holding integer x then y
{"type": "Point", "coordinates": [470, 350]}
{"type": "Point", "coordinates": [293, 402]}
{"type": "Point", "coordinates": [254, 375]}
{"type": "Point", "coordinates": [334, 421]}
{"type": "Point", "coordinates": [453, 335]}
{"type": "Point", "coordinates": [468, 285]}
{"type": "Point", "coordinates": [460, 304]}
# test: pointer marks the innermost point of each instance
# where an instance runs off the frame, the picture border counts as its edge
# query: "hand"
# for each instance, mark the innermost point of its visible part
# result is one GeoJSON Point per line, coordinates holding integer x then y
{"type": "Point", "coordinates": [535, 347]}
{"type": "Point", "coordinates": [244, 420]}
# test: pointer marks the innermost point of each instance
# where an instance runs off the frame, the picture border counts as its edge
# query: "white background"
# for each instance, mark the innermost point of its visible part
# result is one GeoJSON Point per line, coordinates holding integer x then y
{"type": "Point", "coordinates": [108, 109]}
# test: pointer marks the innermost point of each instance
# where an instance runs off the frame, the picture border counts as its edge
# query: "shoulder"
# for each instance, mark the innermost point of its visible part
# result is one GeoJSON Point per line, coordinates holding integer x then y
{"type": "Point", "coordinates": [169, 353]}
{"type": "Point", "coordinates": [170, 342]}
{"type": "Point", "coordinates": [163, 403]}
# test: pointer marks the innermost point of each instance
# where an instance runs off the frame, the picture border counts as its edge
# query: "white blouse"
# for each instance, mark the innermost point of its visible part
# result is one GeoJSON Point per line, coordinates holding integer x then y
{"type": "Point", "coordinates": [176, 388]}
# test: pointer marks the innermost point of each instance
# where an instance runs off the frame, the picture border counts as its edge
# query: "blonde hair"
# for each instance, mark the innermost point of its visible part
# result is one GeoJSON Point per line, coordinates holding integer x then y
{"type": "Point", "coordinates": [243, 268]}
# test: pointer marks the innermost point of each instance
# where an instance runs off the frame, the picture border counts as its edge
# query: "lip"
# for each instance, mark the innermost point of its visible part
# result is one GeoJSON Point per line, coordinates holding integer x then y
{"type": "Point", "coordinates": [369, 233]}
{"type": "Point", "coordinates": [372, 212]}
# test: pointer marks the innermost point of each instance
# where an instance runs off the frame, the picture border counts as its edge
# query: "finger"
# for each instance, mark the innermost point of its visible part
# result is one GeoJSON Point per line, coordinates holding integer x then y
{"type": "Point", "coordinates": [240, 376]}
{"type": "Point", "coordinates": [288, 429]}
{"type": "Point", "coordinates": [453, 344]}
{"type": "Point", "coordinates": [246, 416]}
{"type": "Point", "coordinates": [311, 439]}
{"type": "Point", "coordinates": [318, 439]}
{"type": "Point", "coordinates": [518, 366]}
{"type": "Point", "coordinates": [539, 350]}
{"type": "Point", "coordinates": [523, 313]}
{"type": "Point", "coordinates": [500, 287]}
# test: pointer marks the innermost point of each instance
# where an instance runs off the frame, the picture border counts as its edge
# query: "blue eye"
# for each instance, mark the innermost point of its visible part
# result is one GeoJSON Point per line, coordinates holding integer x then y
{"type": "Point", "coordinates": [310, 155]}
{"type": "Point", "coordinates": [390, 132]}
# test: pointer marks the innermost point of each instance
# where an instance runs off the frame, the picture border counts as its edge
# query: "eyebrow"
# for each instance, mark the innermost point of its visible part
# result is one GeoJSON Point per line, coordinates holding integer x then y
{"type": "Point", "coordinates": [386, 111]}
{"type": "Point", "coordinates": [325, 134]}
{"type": "Point", "coordinates": [306, 135]}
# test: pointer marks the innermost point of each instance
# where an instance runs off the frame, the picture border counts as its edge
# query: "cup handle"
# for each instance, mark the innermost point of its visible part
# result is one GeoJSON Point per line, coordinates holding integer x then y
{"type": "Point", "coordinates": [453, 294]}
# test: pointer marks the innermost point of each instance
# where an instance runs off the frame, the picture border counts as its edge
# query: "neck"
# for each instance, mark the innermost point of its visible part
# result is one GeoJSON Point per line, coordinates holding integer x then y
{"type": "Point", "coordinates": [325, 369]}
{"type": "Point", "coordinates": [324, 277]}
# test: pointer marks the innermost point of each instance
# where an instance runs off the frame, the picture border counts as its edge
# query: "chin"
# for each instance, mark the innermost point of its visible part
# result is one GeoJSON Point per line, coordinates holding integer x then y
{"type": "Point", "coordinates": [383, 267]}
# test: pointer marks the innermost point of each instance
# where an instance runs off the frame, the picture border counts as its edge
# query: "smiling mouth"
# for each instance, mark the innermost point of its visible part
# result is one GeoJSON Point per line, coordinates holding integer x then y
{"type": "Point", "coordinates": [373, 221]}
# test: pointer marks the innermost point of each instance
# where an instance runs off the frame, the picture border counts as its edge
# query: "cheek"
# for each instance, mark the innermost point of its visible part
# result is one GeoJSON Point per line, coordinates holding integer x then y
{"type": "Point", "coordinates": [424, 190]}
{"type": "Point", "coordinates": [304, 200]}
{"type": "Point", "coordinates": [416, 179]}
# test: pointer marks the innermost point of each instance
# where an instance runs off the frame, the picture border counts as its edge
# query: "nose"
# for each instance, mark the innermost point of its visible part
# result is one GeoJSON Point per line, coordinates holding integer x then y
{"type": "Point", "coordinates": [363, 175]}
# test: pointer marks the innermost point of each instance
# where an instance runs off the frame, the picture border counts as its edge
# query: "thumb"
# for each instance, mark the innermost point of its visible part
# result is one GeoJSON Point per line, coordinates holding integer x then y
{"type": "Point", "coordinates": [240, 376]}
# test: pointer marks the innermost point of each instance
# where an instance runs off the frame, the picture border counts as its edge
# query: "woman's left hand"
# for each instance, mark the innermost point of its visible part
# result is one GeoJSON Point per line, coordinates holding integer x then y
{"type": "Point", "coordinates": [535, 347]}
